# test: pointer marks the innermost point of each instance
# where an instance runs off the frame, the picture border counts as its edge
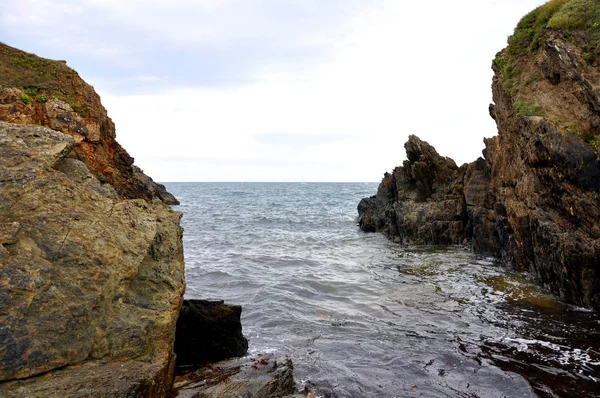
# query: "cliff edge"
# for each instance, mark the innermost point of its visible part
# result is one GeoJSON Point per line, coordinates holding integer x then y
{"type": "Point", "coordinates": [534, 198]}
{"type": "Point", "coordinates": [35, 90]}
{"type": "Point", "coordinates": [91, 257]}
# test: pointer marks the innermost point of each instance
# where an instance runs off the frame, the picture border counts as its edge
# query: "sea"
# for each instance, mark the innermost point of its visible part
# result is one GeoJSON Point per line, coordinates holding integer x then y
{"type": "Point", "coordinates": [361, 316]}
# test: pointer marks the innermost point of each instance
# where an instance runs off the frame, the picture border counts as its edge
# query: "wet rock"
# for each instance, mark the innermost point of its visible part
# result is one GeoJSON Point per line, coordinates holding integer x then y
{"type": "Point", "coordinates": [258, 377]}
{"type": "Point", "coordinates": [208, 331]}
{"type": "Point", "coordinates": [90, 285]}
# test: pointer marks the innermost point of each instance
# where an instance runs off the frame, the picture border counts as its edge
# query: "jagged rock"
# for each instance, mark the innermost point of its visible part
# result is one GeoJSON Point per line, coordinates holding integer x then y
{"type": "Point", "coordinates": [59, 99]}
{"type": "Point", "coordinates": [420, 202]}
{"type": "Point", "coordinates": [157, 190]}
{"type": "Point", "coordinates": [208, 331]}
{"type": "Point", "coordinates": [534, 199]}
{"type": "Point", "coordinates": [90, 286]}
{"type": "Point", "coordinates": [367, 210]}
{"type": "Point", "coordinates": [257, 377]}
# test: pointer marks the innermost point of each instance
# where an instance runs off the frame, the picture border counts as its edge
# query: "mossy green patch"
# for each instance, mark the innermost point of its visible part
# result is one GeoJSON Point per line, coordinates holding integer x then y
{"type": "Point", "coordinates": [25, 98]}
{"type": "Point", "coordinates": [526, 108]}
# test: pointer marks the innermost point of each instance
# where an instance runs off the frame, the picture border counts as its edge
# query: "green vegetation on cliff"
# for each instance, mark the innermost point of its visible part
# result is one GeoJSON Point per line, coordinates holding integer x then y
{"type": "Point", "coordinates": [40, 78]}
{"type": "Point", "coordinates": [526, 70]}
{"type": "Point", "coordinates": [565, 15]}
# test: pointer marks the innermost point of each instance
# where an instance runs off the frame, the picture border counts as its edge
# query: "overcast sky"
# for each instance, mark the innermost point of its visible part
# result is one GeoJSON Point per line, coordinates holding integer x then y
{"type": "Point", "coordinates": [278, 90]}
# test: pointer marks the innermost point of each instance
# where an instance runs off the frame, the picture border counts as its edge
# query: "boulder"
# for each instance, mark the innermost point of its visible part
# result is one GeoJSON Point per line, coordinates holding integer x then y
{"type": "Point", "coordinates": [420, 202]}
{"type": "Point", "coordinates": [208, 331]}
{"type": "Point", "coordinates": [90, 285]}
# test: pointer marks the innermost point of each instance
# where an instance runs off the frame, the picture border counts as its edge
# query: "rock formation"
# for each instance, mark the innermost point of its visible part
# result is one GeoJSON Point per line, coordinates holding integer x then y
{"type": "Point", "coordinates": [34, 90]}
{"type": "Point", "coordinates": [90, 285]}
{"type": "Point", "coordinates": [534, 198]}
{"type": "Point", "coordinates": [208, 331]}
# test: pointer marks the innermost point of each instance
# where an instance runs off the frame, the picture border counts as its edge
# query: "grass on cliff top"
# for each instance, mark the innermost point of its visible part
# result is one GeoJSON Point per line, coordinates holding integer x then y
{"type": "Point", "coordinates": [28, 71]}
{"type": "Point", "coordinates": [576, 20]}
{"type": "Point", "coordinates": [562, 15]}
{"type": "Point", "coordinates": [565, 15]}
{"type": "Point", "coordinates": [41, 78]}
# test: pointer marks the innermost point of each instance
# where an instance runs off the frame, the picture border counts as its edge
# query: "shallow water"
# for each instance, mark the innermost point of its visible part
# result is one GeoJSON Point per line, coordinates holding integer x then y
{"type": "Point", "coordinates": [363, 317]}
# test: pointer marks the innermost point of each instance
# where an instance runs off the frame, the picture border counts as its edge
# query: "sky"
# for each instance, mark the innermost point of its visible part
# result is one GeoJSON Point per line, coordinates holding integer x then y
{"type": "Point", "coordinates": [278, 90]}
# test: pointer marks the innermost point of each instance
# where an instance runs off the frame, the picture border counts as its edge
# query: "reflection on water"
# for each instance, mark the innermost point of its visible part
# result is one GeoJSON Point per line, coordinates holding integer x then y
{"type": "Point", "coordinates": [362, 317]}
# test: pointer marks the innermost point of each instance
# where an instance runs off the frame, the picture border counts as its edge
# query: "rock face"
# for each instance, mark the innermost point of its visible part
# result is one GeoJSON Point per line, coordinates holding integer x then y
{"type": "Point", "coordinates": [35, 90]}
{"type": "Point", "coordinates": [420, 202]}
{"type": "Point", "coordinates": [90, 285]}
{"type": "Point", "coordinates": [208, 331]}
{"type": "Point", "coordinates": [534, 199]}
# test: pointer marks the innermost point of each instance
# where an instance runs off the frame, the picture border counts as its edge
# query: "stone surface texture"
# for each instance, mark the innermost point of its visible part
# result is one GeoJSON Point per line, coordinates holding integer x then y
{"type": "Point", "coordinates": [90, 284]}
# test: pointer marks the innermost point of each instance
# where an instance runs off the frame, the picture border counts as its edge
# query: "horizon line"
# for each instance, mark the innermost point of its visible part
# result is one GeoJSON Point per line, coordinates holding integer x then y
{"type": "Point", "coordinates": [268, 182]}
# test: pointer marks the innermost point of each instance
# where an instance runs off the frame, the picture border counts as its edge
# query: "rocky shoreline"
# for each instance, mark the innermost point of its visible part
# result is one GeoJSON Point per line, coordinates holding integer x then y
{"type": "Point", "coordinates": [533, 199]}
{"type": "Point", "coordinates": [91, 258]}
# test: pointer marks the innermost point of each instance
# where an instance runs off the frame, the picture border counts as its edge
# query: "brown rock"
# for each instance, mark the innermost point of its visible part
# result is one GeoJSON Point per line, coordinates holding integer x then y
{"type": "Point", "coordinates": [61, 100]}
{"type": "Point", "coordinates": [421, 202]}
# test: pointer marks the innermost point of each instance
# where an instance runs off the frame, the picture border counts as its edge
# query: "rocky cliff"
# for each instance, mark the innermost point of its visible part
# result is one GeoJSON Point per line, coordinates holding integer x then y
{"type": "Point", "coordinates": [534, 198]}
{"type": "Point", "coordinates": [35, 90]}
{"type": "Point", "coordinates": [90, 285]}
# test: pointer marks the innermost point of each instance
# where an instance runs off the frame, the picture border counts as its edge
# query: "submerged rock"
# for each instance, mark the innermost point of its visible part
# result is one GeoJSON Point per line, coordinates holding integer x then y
{"type": "Point", "coordinates": [208, 331]}
{"type": "Point", "coordinates": [90, 285]}
{"type": "Point", "coordinates": [257, 377]}
{"type": "Point", "coordinates": [534, 198]}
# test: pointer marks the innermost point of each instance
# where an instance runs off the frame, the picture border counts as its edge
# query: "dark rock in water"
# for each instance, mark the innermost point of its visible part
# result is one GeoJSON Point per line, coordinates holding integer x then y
{"type": "Point", "coordinates": [208, 331]}
{"type": "Point", "coordinates": [259, 377]}
{"type": "Point", "coordinates": [534, 198]}
{"type": "Point", "coordinates": [421, 202]}
{"type": "Point", "coordinates": [367, 210]}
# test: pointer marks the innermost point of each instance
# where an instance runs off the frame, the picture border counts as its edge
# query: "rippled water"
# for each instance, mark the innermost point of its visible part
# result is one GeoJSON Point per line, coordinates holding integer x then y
{"type": "Point", "coordinates": [362, 317]}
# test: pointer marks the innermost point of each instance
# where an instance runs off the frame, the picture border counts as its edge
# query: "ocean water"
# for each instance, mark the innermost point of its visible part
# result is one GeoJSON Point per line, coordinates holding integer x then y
{"type": "Point", "coordinates": [363, 317]}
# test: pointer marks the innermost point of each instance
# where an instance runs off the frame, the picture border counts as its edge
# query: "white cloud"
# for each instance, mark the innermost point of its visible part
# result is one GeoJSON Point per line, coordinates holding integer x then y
{"type": "Point", "coordinates": [386, 70]}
